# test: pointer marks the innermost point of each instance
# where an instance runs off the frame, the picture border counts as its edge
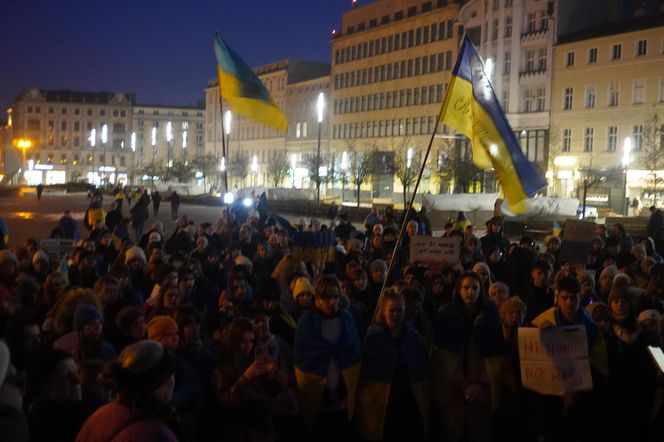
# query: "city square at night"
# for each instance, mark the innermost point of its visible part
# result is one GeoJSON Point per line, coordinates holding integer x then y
{"type": "Point", "coordinates": [340, 220]}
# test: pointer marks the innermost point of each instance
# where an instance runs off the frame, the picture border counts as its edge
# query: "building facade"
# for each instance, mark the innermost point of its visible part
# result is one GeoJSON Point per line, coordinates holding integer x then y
{"type": "Point", "coordinates": [254, 150]}
{"type": "Point", "coordinates": [60, 124]}
{"type": "Point", "coordinates": [98, 137]}
{"type": "Point", "coordinates": [607, 113]}
{"type": "Point", "coordinates": [391, 64]}
{"type": "Point", "coordinates": [179, 136]}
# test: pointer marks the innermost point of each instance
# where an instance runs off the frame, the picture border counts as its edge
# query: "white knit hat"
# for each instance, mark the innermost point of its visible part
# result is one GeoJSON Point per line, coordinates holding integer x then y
{"type": "Point", "coordinates": [135, 252]}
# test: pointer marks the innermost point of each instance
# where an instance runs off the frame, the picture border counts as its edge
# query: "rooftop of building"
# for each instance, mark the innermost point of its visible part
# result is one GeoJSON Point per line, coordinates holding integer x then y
{"type": "Point", "coordinates": [616, 28]}
{"type": "Point", "coordinates": [296, 70]}
{"type": "Point", "coordinates": [69, 96]}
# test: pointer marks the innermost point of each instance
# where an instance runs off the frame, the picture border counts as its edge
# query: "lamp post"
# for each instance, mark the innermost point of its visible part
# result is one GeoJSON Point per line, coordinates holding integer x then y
{"type": "Point", "coordinates": [154, 152]}
{"type": "Point", "coordinates": [184, 147]}
{"type": "Point", "coordinates": [254, 168]}
{"type": "Point", "coordinates": [344, 170]}
{"type": "Point", "coordinates": [24, 144]}
{"type": "Point", "coordinates": [627, 149]}
{"type": "Point", "coordinates": [133, 158]}
{"type": "Point", "coordinates": [409, 163]}
{"type": "Point", "coordinates": [319, 108]}
{"type": "Point", "coordinates": [93, 142]}
{"type": "Point", "coordinates": [104, 139]}
{"type": "Point", "coordinates": [169, 140]}
{"type": "Point", "coordinates": [228, 118]}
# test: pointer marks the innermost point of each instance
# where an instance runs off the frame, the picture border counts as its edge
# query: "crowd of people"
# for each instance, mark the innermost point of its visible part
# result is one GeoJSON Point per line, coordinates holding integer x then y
{"type": "Point", "coordinates": [215, 330]}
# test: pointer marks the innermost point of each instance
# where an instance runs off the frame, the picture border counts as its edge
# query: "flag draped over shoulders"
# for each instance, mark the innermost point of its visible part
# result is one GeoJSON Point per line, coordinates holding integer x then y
{"type": "Point", "coordinates": [471, 107]}
{"type": "Point", "coordinates": [243, 90]}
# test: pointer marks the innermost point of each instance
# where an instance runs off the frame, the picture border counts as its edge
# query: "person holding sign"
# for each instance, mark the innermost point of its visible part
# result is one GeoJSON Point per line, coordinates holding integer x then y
{"type": "Point", "coordinates": [466, 359]}
{"type": "Point", "coordinates": [565, 418]}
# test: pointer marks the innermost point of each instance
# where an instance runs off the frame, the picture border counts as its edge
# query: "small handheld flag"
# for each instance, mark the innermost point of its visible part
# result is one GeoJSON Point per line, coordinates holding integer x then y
{"type": "Point", "coordinates": [471, 107]}
{"type": "Point", "coordinates": [243, 90]}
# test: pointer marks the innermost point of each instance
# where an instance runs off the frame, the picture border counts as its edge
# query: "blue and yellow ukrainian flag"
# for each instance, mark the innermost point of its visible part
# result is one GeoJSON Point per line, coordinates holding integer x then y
{"type": "Point", "coordinates": [242, 89]}
{"type": "Point", "coordinates": [471, 107]}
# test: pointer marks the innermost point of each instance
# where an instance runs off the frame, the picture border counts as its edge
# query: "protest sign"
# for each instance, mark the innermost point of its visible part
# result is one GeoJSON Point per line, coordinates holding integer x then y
{"type": "Point", "coordinates": [56, 249]}
{"type": "Point", "coordinates": [555, 361]}
{"type": "Point", "coordinates": [434, 249]}
{"type": "Point", "coordinates": [577, 241]}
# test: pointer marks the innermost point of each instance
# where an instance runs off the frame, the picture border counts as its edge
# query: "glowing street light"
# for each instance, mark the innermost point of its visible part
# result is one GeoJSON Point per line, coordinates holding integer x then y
{"type": "Point", "coordinates": [320, 104]}
{"type": "Point", "coordinates": [154, 152]}
{"type": "Point", "coordinates": [626, 159]}
{"type": "Point", "coordinates": [184, 146]}
{"type": "Point", "coordinates": [133, 156]}
{"type": "Point", "coordinates": [228, 118]}
{"type": "Point", "coordinates": [104, 139]}
{"type": "Point", "coordinates": [169, 140]}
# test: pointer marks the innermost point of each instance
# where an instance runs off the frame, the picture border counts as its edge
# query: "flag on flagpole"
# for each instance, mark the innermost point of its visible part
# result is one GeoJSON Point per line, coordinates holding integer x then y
{"type": "Point", "coordinates": [471, 107]}
{"type": "Point", "coordinates": [243, 90]}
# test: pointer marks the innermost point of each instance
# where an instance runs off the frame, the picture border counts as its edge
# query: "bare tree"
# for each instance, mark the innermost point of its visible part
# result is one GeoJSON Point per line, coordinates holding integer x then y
{"type": "Point", "coordinates": [207, 165]}
{"type": "Point", "coordinates": [652, 148]}
{"type": "Point", "coordinates": [278, 167]}
{"type": "Point", "coordinates": [313, 163]}
{"type": "Point", "coordinates": [360, 167]}
{"type": "Point", "coordinates": [180, 171]}
{"type": "Point", "coordinates": [239, 166]}
{"type": "Point", "coordinates": [406, 163]}
{"type": "Point", "coordinates": [455, 164]}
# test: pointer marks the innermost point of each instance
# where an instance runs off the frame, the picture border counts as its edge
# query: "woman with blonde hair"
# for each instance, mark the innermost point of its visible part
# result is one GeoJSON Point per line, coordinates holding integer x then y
{"type": "Point", "coordinates": [394, 391]}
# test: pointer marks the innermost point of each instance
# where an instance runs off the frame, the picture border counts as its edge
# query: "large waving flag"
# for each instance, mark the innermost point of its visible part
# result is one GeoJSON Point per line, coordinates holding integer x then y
{"type": "Point", "coordinates": [471, 107]}
{"type": "Point", "coordinates": [242, 89]}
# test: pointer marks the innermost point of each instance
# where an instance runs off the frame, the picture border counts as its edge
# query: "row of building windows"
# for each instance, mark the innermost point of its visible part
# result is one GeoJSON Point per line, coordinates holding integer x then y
{"type": "Point", "coordinates": [612, 139]}
{"type": "Point", "coordinates": [640, 50]}
{"type": "Point", "coordinates": [167, 113]}
{"type": "Point", "coordinates": [76, 111]}
{"type": "Point", "coordinates": [613, 94]}
{"type": "Point", "coordinates": [404, 40]}
{"type": "Point", "coordinates": [389, 100]}
{"type": "Point", "coordinates": [75, 159]}
{"type": "Point", "coordinates": [394, 71]}
{"type": "Point", "coordinates": [385, 128]}
{"type": "Point", "coordinates": [397, 16]}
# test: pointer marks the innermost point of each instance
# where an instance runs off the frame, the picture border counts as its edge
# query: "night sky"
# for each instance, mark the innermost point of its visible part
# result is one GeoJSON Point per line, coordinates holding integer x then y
{"type": "Point", "coordinates": [161, 50]}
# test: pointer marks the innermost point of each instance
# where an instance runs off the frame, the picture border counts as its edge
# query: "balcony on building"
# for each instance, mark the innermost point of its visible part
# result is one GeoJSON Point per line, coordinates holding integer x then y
{"type": "Point", "coordinates": [534, 36]}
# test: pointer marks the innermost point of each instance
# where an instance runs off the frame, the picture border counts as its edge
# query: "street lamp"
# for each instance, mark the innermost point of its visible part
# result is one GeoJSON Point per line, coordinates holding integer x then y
{"type": "Point", "coordinates": [169, 140]}
{"type": "Point", "coordinates": [184, 147]}
{"type": "Point", "coordinates": [93, 143]}
{"type": "Point", "coordinates": [254, 167]}
{"type": "Point", "coordinates": [319, 107]}
{"type": "Point", "coordinates": [154, 152]}
{"type": "Point", "coordinates": [104, 139]}
{"type": "Point", "coordinates": [24, 144]}
{"type": "Point", "coordinates": [133, 157]}
{"type": "Point", "coordinates": [228, 118]}
{"type": "Point", "coordinates": [409, 163]}
{"type": "Point", "coordinates": [627, 150]}
{"type": "Point", "coordinates": [344, 170]}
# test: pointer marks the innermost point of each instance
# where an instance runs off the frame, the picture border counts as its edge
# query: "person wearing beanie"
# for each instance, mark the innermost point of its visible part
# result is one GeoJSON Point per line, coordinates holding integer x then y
{"type": "Point", "coordinates": [86, 341]}
{"type": "Point", "coordinates": [494, 237]}
{"type": "Point", "coordinates": [13, 422]}
{"type": "Point", "coordinates": [303, 294]}
{"type": "Point", "coordinates": [143, 380]}
{"type": "Point", "coordinates": [8, 268]}
{"type": "Point", "coordinates": [164, 329]}
{"type": "Point", "coordinates": [633, 377]}
{"type": "Point", "coordinates": [268, 295]}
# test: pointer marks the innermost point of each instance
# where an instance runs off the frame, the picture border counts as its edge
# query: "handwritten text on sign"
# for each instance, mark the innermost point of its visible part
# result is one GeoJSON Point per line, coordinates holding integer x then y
{"type": "Point", "coordinates": [555, 361]}
{"type": "Point", "coordinates": [434, 249]}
